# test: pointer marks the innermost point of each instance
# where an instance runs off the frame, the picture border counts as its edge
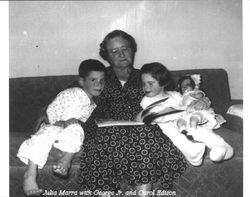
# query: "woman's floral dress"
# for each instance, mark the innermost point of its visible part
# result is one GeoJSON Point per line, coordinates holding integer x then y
{"type": "Point", "coordinates": [140, 154]}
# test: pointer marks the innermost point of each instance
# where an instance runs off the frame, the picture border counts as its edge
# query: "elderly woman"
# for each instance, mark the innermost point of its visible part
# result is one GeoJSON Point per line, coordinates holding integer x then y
{"type": "Point", "coordinates": [141, 155]}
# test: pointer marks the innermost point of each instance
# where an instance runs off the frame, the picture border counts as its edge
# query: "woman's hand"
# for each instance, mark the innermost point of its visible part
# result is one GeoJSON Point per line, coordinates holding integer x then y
{"type": "Point", "coordinates": [71, 121]}
{"type": "Point", "coordinates": [201, 104]}
{"type": "Point", "coordinates": [138, 117]}
{"type": "Point", "coordinates": [60, 123]}
{"type": "Point", "coordinates": [66, 123]}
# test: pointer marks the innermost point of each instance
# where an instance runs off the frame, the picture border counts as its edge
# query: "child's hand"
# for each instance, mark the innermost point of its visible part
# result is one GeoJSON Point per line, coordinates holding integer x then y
{"type": "Point", "coordinates": [71, 121]}
{"type": "Point", "coordinates": [60, 123]}
{"type": "Point", "coordinates": [66, 123]}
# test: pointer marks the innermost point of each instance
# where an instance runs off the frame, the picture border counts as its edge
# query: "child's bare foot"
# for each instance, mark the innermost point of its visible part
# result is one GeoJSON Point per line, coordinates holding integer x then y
{"type": "Point", "coordinates": [61, 168]}
{"type": "Point", "coordinates": [30, 186]}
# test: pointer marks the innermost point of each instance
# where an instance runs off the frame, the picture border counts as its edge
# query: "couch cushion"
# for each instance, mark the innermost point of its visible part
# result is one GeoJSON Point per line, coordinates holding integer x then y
{"type": "Point", "coordinates": [212, 180]}
{"type": "Point", "coordinates": [29, 95]}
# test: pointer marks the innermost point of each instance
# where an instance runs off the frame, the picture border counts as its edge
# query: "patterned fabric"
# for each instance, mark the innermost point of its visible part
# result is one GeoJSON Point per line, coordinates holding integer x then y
{"type": "Point", "coordinates": [70, 103]}
{"type": "Point", "coordinates": [140, 154]}
{"type": "Point", "coordinates": [119, 102]}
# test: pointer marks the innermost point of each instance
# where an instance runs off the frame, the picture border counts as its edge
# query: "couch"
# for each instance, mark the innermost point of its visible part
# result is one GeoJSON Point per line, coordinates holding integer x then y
{"type": "Point", "coordinates": [29, 94]}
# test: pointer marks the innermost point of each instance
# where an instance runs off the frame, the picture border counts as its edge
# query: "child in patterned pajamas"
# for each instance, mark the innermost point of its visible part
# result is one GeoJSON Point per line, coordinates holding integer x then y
{"type": "Point", "coordinates": [70, 107]}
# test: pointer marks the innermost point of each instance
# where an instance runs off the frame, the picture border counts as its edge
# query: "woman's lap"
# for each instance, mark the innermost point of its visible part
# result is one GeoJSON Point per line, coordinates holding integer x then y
{"type": "Point", "coordinates": [140, 154]}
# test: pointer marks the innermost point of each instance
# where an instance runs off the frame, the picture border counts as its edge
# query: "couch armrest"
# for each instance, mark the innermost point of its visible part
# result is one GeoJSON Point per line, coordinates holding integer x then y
{"type": "Point", "coordinates": [233, 123]}
{"type": "Point", "coordinates": [228, 104]}
{"type": "Point", "coordinates": [236, 110]}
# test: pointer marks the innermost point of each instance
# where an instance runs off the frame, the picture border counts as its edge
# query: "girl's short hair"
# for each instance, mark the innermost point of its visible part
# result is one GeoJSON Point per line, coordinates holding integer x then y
{"type": "Point", "coordinates": [116, 33]}
{"type": "Point", "coordinates": [192, 83]}
{"type": "Point", "coordinates": [160, 73]}
{"type": "Point", "coordinates": [89, 65]}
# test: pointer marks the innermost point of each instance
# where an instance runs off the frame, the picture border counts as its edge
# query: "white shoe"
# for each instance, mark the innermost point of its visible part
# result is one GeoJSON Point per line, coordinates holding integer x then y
{"type": "Point", "coordinates": [220, 153]}
{"type": "Point", "coordinates": [196, 157]}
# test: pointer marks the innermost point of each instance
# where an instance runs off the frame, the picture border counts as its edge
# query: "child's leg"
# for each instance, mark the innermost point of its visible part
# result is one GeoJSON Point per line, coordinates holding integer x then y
{"type": "Point", "coordinates": [220, 150]}
{"type": "Point", "coordinates": [30, 186]}
{"type": "Point", "coordinates": [38, 146]}
{"type": "Point", "coordinates": [63, 164]}
{"type": "Point", "coordinates": [69, 141]}
{"type": "Point", "coordinates": [192, 151]}
{"type": "Point", "coordinates": [34, 152]}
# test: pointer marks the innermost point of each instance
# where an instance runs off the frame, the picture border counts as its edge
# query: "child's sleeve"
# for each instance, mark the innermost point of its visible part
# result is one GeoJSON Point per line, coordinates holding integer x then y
{"type": "Point", "coordinates": [56, 109]}
{"type": "Point", "coordinates": [143, 103]}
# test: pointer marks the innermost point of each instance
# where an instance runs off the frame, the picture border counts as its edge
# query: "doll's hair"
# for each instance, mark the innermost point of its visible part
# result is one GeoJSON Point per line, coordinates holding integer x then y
{"type": "Point", "coordinates": [116, 33]}
{"type": "Point", "coordinates": [159, 72]}
{"type": "Point", "coordinates": [192, 83]}
{"type": "Point", "coordinates": [89, 65]}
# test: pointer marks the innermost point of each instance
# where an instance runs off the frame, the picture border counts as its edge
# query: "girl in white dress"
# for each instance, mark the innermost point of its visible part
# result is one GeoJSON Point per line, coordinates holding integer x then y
{"type": "Point", "coordinates": [166, 108]}
{"type": "Point", "coordinates": [65, 114]}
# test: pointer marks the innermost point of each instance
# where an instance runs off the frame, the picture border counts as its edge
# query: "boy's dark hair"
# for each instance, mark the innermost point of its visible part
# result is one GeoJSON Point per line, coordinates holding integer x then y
{"type": "Point", "coordinates": [182, 79]}
{"type": "Point", "coordinates": [89, 65]}
{"type": "Point", "coordinates": [160, 73]}
{"type": "Point", "coordinates": [116, 33]}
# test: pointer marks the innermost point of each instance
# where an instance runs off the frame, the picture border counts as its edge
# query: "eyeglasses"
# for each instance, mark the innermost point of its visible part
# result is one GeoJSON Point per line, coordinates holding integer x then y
{"type": "Point", "coordinates": [119, 51]}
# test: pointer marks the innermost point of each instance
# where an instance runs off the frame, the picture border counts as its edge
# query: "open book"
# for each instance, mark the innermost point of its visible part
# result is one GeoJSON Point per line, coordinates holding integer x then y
{"type": "Point", "coordinates": [108, 123]}
{"type": "Point", "coordinates": [148, 115]}
{"type": "Point", "coordinates": [165, 115]}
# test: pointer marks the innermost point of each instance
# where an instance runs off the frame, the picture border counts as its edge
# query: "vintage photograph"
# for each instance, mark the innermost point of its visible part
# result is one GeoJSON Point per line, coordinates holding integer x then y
{"type": "Point", "coordinates": [126, 98]}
